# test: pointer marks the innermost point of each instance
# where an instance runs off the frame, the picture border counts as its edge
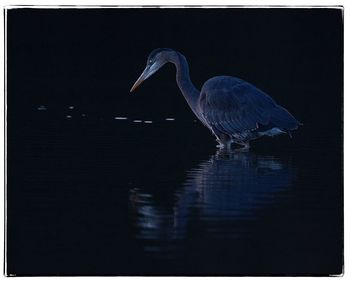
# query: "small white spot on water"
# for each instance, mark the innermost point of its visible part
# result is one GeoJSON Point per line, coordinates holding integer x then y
{"type": "Point", "coordinates": [68, 116]}
{"type": "Point", "coordinates": [170, 119]}
{"type": "Point", "coordinates": [137, 121]}
{"type": "Point", "coordinates": [71, 107]}
{"type": "Point", "coordinates": [120, 118]}
{"type": "Point", "coordinates": [148, 122]}
{"type": "Point", "coordinates": [42, 108]}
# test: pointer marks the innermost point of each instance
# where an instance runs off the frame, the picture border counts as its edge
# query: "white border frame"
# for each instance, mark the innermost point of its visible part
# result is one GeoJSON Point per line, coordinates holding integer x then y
{"type": "Point", "coordinates": [185, 4]}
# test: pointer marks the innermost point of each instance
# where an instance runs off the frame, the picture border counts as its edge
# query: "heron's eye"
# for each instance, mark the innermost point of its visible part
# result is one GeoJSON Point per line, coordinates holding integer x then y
{"type": "Point", "coordinates": [150, 62]}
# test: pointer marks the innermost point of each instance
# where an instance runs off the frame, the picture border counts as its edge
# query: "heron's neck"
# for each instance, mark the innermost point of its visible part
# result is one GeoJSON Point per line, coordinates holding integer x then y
{"type": "Point", "coordinates": [183, 80]}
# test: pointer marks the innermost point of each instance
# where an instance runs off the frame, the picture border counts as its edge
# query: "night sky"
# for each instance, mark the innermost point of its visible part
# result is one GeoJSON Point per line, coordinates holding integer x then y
{"type": "Point", "coordinates": [91, 58]}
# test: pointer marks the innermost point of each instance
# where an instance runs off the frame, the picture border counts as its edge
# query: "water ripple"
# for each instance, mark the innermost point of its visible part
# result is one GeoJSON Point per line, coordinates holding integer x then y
{"type": "Point", "coordinates": [221, 191]}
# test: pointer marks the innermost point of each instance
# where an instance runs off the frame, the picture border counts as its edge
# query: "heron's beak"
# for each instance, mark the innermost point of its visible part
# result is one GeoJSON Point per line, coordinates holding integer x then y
{"type": "Point", "coordinates": [149, 71]}
{"type": "Point", "coordinates": [140, 80]}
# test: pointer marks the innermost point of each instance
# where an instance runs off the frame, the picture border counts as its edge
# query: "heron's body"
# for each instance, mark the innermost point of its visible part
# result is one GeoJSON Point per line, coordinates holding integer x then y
{"type": "Point", "coordinates": [234, 110]}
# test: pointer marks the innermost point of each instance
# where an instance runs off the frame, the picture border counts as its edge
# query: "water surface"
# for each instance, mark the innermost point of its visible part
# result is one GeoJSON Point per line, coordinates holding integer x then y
{"type": "Point", "coordinates": [110, 196]}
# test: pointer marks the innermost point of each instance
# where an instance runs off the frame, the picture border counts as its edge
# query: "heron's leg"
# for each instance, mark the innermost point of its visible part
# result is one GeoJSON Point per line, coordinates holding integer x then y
{"type": "Point", "coordinates": [224, 141]}
{"type": "Point", "coordinates": [245, 145]}
{"type": "Point", "coordinates": [220, 145]}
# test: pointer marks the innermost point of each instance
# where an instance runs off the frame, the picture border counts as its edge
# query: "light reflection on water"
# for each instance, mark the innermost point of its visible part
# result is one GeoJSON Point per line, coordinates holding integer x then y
{"type": "Point", "coordinates": [227, 189]}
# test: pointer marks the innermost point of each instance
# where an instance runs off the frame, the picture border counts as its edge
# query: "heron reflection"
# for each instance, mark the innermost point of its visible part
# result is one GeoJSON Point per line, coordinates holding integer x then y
{"type": "Point", "coordinates": [228, 188]}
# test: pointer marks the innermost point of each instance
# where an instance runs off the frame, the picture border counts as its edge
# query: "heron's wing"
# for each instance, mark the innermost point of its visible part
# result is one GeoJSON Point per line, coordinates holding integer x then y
{"type": "Point", "coordinates": [236, 108]}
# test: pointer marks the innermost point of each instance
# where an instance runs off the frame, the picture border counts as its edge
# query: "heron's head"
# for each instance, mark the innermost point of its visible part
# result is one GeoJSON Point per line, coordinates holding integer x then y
{"type": "Point", "coordinates": [156, 59]}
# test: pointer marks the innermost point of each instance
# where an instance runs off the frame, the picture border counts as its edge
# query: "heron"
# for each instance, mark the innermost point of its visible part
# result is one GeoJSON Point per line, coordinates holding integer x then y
{"type": "Point", "coordinates": [234, 110]}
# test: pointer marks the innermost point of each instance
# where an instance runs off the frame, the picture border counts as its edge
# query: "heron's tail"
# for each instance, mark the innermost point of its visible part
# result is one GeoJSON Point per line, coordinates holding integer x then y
{"type": "Point", "coordinates": [281, 118]}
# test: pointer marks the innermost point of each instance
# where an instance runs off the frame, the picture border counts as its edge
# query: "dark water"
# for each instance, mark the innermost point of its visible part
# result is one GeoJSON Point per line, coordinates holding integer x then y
{"type": "Point", "coordinates": [94, 196]}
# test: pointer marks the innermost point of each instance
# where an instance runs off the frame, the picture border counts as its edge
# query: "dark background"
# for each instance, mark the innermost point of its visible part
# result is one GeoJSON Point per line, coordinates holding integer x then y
{"type": "Point", "coordinates": [90, 58]}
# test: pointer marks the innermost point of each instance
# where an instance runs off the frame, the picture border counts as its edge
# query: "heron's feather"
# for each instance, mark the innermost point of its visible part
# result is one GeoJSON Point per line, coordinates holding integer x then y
{"type": "Point", "coordinates": [234, 107]}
